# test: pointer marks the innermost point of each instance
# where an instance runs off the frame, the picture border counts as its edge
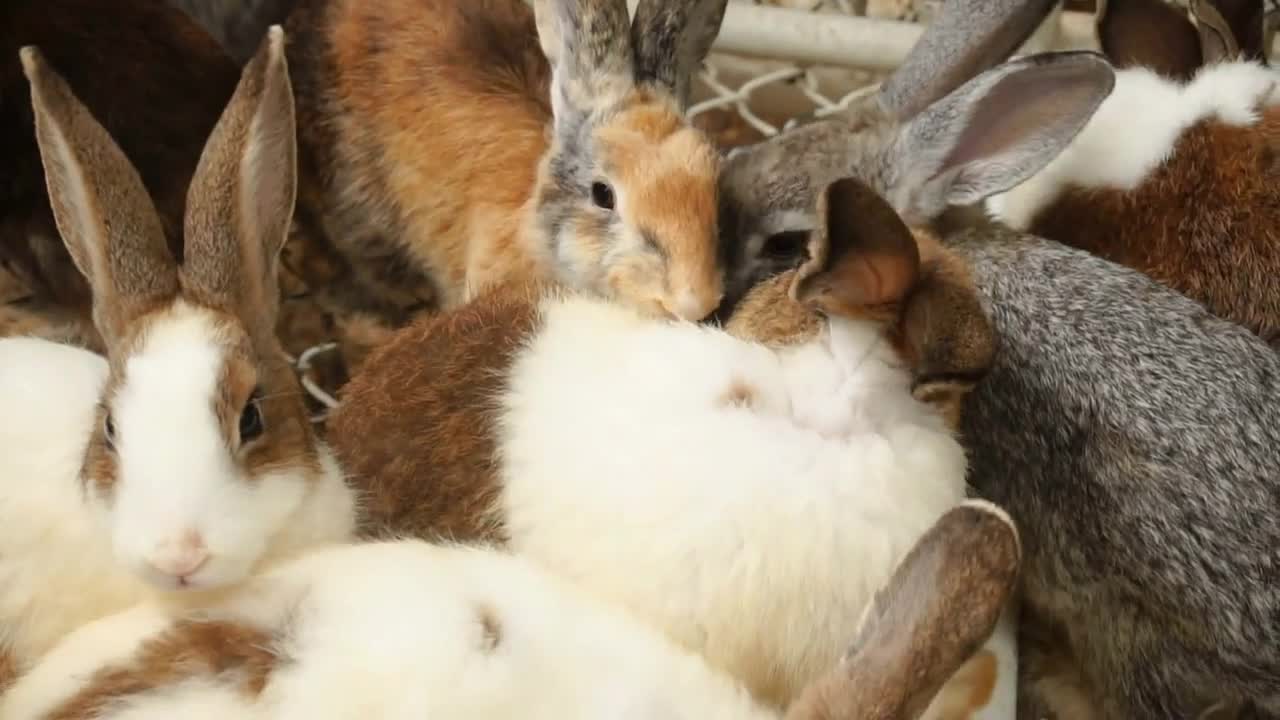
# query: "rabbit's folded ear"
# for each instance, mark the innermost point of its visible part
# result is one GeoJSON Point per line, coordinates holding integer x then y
{"type": "Point", "coordinates": [940, 605]}
{"type": "Point", "coordinates": [242, 195]}
{"type": "Point", "coordinates": [100, 205]}
{"type": "Point", "coordinates": [995, 131]}
{"type": "Point", "coordinates": [589, 47]}
{"type": "Point", "coordinates": [1229, 29]}
{"type": "Point", "coordinates": [861, 254]}
{"type": "Point", "coordinates": [671, 39]}
{"type": "Point", "coordinates": [964, 38]}
{"type": "Point", "coordinates": [1148, 33]}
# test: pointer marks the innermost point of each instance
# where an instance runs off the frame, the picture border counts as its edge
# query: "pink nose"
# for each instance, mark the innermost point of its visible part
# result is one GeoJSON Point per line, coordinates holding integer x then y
{"type": "Point", "coordinates": [690, 305]}
{"type": "Point", "coordinates": [181, 558]}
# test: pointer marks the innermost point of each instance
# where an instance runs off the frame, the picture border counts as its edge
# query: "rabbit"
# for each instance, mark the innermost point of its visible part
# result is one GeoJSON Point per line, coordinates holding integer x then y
{"type": "Point", "coordinates": [451, 145]}
{"type": "Point", "coordinates": [708, 479]}
{"type": "Point", "coordinates": [407, 629]}
{"type": "Point", "coordinates": [183, 461]}
{"type": "Point", "coordinates": [237, 25]}
{"type": "Point", "coordinates": [155, 80]}
{"type": "Point", "coordinates": [1127, 430]}
{"type": "Point", "coordinates": [1175, 175]}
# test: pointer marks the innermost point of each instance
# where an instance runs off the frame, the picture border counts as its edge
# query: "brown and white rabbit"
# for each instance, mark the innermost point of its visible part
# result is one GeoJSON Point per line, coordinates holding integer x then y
{"type": "Point", "coordinates": [154, 79]}
{"type": "Point", "coordinates": [184, 461]}
{"type": "Point", "coordinates": [1177, 175]}
{"type": "Point", "coordinates": [456, 144]}
{"type": "Point", "coordinates": [767, 475]}
{"type": "Point", "coordinates": [407, 630]}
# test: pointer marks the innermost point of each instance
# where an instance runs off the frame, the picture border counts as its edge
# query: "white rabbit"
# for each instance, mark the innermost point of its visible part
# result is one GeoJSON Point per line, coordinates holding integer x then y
{"type": "Point", "coordinates": [407, 630]}
{"type": "Point", "coordinates": [184, 461]}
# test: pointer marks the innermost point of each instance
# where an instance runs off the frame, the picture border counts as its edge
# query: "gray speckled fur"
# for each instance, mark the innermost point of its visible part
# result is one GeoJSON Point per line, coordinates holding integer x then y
{"type": "Point", "coordinates": [1136, 440]}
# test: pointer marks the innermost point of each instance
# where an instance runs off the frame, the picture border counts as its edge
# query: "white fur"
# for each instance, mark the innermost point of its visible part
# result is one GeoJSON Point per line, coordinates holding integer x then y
{"type": "Point", "coordinates": [67, 557]}
{"type": "Point", "coordinates": [755, 537]}
{"type": "Point", "coordinates": [1135, 130]}
{"type": "Point", "coordinates": [406, 641]}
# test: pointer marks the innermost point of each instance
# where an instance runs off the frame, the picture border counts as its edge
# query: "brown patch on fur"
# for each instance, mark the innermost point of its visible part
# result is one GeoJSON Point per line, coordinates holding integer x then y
{"type": "Point", "coordinates": [970, 689]}
{"type": "Point", "coordinates": [9, 670]}
{"type": "Point", "coordinates": [1205, 223]}
{"type": "Point", "coordinates": [739, 394]}
{"type": "Point", "coordinates": [490, 628]}
{"type": "Point", "coordinates": [769, 316]}
{"type": "Point", "coordinates": [188, 650]}
{"type": "Point", "coordinates": [415, 429]}
{"type": "Point", "coordinates": [133, 64]}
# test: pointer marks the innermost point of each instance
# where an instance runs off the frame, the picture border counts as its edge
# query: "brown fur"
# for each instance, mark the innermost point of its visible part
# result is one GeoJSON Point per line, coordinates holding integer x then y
{"type": "Point", "coordinates": [1206, 222]}
{"type": "Point", "coordinates": [936, 610]}
{"type": "Point", "coordinates": [415, 427]}
{"type": "Point", "coordinates": [225, 651]}
{"type": "Point", "coordinates": [423, 123]}
{"type": "Point", "coordinates": [1175, 41]}
{"type": "Point", "coordinates": [152, 77]}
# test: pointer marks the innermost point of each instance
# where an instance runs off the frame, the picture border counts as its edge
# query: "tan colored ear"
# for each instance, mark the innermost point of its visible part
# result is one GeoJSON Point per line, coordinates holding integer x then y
{"type": "Point", "coordinates": [860, 256]}
{"type": "Point", "coordinates": [1230, 29]}
{"type": "Point", "coordinates": [941, 603]}
{"type": "Point", "coordinates": [1149, 33]}
{"type": "Point", "coordinates": [242, 195]}
{"type": "Point", "coordinates": [100, 205]}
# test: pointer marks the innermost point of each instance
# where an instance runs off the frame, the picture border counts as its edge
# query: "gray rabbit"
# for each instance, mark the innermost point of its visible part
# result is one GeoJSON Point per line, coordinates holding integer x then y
{"type": "Point", "coordinates": [1133, 436]}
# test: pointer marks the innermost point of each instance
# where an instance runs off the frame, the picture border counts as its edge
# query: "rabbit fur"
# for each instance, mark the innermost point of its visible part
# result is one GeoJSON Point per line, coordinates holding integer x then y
{"type": "Point", "coordinates": [1174, 177]}
{"type": "Point", "coordinates": [451, 145]}
{"type": "Point", "coordinates": [184, 460]}
{"type": "Point", "coordinates": [154, 79]}
{"type": "Point", "coordinates": [1126, 429]}
{"type": "Point", "coordinates": [506, 639]}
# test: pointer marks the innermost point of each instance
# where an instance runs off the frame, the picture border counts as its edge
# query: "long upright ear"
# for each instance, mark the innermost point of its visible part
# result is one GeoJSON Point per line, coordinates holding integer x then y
{"type": "Point", "coordinates": [965, 38]}
{"type": "Point", "coordinates": [860, 256]}
{"type": "Point", "coordinates": [588, 44]}
{"type": "Point", "coordinates": [1229, 29]}
{"type": "Point", "coordinates": [995, 131]}
{"type": "Point", "coordinates": [1149, 33]}
{"type": "Point", "coordinates": [100, 205]}
{"type": "Point", "coordinates": [242, 195]}
{"type": "Point", "coordinates": [941, 603]}
{"type": "Point", "coordinates": [671, 39]}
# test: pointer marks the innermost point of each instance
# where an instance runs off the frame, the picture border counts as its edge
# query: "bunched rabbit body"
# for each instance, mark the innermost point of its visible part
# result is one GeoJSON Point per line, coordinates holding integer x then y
{"type": "Point", "coordinates": [184, 461]}
{"type": "Point", "coordinates": [457, 144]}
{"type": "Point", "coordinates": [1176, 174]}
{"type": "Point", "coordinates": [406, 630]}
{"type": "Point", "coordinates": [767, 475]}
{"type": "Point", "coordinates": [1132, 436]}
{"type": "Point", "coordinates": [154, 79]}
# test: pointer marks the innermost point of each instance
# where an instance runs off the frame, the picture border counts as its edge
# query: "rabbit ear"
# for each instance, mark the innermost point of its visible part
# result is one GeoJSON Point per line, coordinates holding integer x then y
{"type": "Point", "coordinates": [242, 195]}
{"type": "Point", "coordinates": [1229, 29]}
{"type": "Point", "coordinates": [589, 47]}
{"type": "Point", "coordinates": [964, 38]}
{"type": "Point", "coordinates": [100, 205]}
{"type": "Point", "coordinates": [995, 131]}
{"type": "Point", "coordinates": [861, 254]}
{"type": "Point", "coordinates": [940, 605]}
{"type": "Point", "coordinates": [671, 39]}
{"type": "Point", "coordinates": [1148, 33]}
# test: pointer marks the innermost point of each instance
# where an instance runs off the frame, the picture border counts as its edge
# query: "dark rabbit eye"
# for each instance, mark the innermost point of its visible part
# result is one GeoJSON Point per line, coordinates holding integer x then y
{"type": "Point", "coordinates": [788, 245]}
{"type": "Point", "coordinates": [251, 425]}
{"type": "Point", "coordinates": [109, 431]}
{"type": "Point", "coordinates": [602, 195]}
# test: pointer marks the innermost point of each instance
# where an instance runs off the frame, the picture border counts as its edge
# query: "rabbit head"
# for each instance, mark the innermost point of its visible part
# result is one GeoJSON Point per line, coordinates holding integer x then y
{"type": "Point", "coordinates": [935, 135]}
{"type": "Point", "coordinates": [1176, 43]}
{"type": "Point", "coordinates": [626, 202]}
{"type": "Point", "coordinates": [865, 265]}
{"type": "Point", "coordinates": [941, 603]}
{"type": "Point", "coordinates": [203, 451]}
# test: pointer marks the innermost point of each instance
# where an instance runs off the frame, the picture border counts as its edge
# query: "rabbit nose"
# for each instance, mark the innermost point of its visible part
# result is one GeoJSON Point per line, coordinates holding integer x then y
{"type": "Point", "coordinates": [182, 558]}
{"type": "Point", "coordinates": [691, 305]}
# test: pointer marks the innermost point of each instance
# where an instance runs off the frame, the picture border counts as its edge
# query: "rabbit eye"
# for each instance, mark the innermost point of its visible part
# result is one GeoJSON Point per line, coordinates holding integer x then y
{"type": "Point", "coordinates": [251, 425]}
{"type": "Point", "coordinates": [109, 431]}
{"type": "Point", "coordinates": [788, 245]}
{"type": "Point", "coordinates": [602, 195]}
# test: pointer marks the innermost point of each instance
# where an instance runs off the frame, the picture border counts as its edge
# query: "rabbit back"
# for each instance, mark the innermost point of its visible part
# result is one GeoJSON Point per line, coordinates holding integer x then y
{"type": "Point", "coordinates": [1137, 434]}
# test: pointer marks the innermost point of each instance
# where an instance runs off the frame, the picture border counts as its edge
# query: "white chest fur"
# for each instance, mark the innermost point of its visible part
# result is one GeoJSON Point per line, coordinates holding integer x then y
{"type": "Point", "coordinates": [712, 485]}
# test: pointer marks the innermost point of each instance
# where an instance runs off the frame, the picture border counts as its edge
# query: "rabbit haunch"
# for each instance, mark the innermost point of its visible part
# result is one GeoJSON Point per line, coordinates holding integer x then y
{"type": "Point", "coordinates": [506, 638]}
{"type": "Point", "coordinates": [184, 461]}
